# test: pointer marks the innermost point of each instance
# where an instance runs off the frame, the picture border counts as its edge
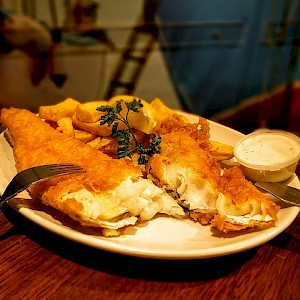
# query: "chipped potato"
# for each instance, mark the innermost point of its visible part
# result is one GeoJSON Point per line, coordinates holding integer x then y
{"type": "Point", "coordinates": [105, 144]}
{"type": "Point", "coordinates": [87, 112]}
{"type": "Point", "coordinates": [164, 112]}
{"type": "Point", "coordinates": [94, 127]}
{"type": "Point", "coordinates": [221, 151]}
{"type": "Point", "coordinates": [99, 142]}
{"type": "Point", "coordinates": [84, 136]}
{"type": "Point", "coordinates": [65, 125]}
{"type": "Point", "coordinates": [82, 121]}
{"type": "Point", "coordinates": [55, 112]}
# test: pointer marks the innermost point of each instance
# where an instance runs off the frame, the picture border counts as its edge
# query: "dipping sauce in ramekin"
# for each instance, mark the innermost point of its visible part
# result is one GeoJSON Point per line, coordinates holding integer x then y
{"type": "Point", "coordinates": [268, 156]}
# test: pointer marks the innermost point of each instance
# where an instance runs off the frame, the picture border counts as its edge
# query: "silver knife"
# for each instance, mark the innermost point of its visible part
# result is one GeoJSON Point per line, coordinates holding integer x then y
{"type": "Point", "coordinates": [285, 193]}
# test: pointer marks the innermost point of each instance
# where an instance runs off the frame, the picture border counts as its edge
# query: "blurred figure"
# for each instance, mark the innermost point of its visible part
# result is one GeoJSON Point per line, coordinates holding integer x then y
{"type": "Point", "coordinates": [25, 34]}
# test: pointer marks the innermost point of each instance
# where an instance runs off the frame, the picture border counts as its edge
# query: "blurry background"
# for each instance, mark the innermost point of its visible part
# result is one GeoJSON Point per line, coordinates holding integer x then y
{"type": "Point", "coordinates": [235, 62]}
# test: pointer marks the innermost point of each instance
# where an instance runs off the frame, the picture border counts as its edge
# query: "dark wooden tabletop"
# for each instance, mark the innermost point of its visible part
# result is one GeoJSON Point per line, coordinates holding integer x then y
{"type": "Point", "coordinates": [37, 264]}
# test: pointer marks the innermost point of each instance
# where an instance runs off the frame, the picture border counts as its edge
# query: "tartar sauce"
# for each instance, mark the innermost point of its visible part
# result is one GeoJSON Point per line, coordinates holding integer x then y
{"type": "Point", "coordinates": [268, 149]}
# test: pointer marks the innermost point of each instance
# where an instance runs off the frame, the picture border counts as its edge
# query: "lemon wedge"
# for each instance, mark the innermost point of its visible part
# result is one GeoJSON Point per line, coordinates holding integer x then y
{"type": "Point", "coordinates": [146, 120]}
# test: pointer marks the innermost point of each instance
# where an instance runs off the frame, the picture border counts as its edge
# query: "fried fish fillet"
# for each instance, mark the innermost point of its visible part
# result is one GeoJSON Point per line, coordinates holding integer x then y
{"type": "Point", "coordinates": [187, 170]}
{"type": "Point", "coordinates": [111, 193]}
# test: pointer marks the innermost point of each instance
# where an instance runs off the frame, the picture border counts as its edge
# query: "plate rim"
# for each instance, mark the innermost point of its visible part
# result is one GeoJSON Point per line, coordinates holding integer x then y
{"type": "Point", "coordinates": [105, 244]}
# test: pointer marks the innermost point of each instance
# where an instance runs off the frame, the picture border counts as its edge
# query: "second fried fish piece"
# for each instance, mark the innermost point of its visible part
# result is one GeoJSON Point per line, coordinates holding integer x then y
{"type": "Point", "coordinates": [187, 170]}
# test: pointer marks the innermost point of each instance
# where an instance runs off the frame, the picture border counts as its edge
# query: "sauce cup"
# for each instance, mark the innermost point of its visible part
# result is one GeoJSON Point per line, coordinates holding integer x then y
{"type": "Point", "coordinates": [268, 156]}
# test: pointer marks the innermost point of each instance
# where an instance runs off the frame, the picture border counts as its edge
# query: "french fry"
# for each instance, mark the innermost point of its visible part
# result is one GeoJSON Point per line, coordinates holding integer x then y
{"type": "Point", "coordinates": [164, 111]}
{"type": "Point", "coordinates": [95, 128]}
{"type": "Point", "coordinates": [105, 144]}
{"type": "Point", "coordinates": [221, 151]}
{"type": "Point", "coordinates": [99, 142]}
{"type": "Point", "coordinates": [87, 112]}
{"type": "Point", "coordinates": [84, 135]}
{"type": "Point", "coordinates": [55, 112]}
{"type": "Point", "coordinates": [126, 98]}
{"type": "Point", "coordinates": [65, 125]}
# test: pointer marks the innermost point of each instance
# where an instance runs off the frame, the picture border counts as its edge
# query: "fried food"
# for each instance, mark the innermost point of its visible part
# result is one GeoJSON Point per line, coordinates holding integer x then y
{"type": "Point", "coordinates": [187, 169]}
{"type": "Point", "coordinates": [102, 143]}
{"type": "Point", "coordinates": [241, 205]}
{"type": "Point", "coordinates": [164, 112]}
{"type": "Point", "coordinates": [94, 127]}
{"type": "Point", "coordinates": [87, 112]}
{"type": "Point", "coordinates": [84, 136]}
{"type": "Point", "coordinates": [221, 151]}
{"type": "Point", "coordinates": [65, 125]}
{"type": "Point", "coordinates": [86, 118]}
{"type": "Point", "coordinates": [55, 112]}
{"type": "Point", "coordinates": [111, 194]}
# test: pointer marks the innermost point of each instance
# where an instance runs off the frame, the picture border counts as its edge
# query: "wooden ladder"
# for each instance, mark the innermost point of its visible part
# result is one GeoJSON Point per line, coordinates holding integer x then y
{"type": "Point", "coordinates": [133, 60]}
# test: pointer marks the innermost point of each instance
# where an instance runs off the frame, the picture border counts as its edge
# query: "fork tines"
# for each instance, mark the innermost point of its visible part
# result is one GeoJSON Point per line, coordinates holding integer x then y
{"type": "Point", "coordinates": [65, 168]}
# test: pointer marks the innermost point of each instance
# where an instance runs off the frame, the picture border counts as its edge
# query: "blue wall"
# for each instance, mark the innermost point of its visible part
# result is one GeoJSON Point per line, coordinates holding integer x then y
{"type": "Point", "coordinates": [221, 52]}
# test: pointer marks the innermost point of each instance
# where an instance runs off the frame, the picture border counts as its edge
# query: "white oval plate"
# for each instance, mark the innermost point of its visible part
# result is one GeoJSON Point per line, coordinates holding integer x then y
{"type": "Point", "coordinates": [162, 237]}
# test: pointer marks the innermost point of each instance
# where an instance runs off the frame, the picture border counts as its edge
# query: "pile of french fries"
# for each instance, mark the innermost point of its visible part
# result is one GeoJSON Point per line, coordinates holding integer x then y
{"type": "Point", "coordinates": [82, 121]}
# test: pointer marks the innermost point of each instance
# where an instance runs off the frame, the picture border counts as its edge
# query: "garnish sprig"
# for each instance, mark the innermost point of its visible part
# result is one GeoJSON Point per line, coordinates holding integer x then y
{"type": "Point", "coordinates": [126, 139]}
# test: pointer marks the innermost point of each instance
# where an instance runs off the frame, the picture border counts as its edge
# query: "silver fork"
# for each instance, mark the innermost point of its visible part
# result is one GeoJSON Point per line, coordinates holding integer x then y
{"type": "Point", "coordinates": [32, 175]}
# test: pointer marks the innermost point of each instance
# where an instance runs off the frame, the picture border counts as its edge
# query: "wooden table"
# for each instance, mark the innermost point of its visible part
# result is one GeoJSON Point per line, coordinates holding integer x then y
{"type": "Point", "coordinates": [36, 264]}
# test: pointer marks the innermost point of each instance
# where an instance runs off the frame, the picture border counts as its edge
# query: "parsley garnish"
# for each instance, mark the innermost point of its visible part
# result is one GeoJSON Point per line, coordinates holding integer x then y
{"type": "Point", "coordinates": [127, 141]}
